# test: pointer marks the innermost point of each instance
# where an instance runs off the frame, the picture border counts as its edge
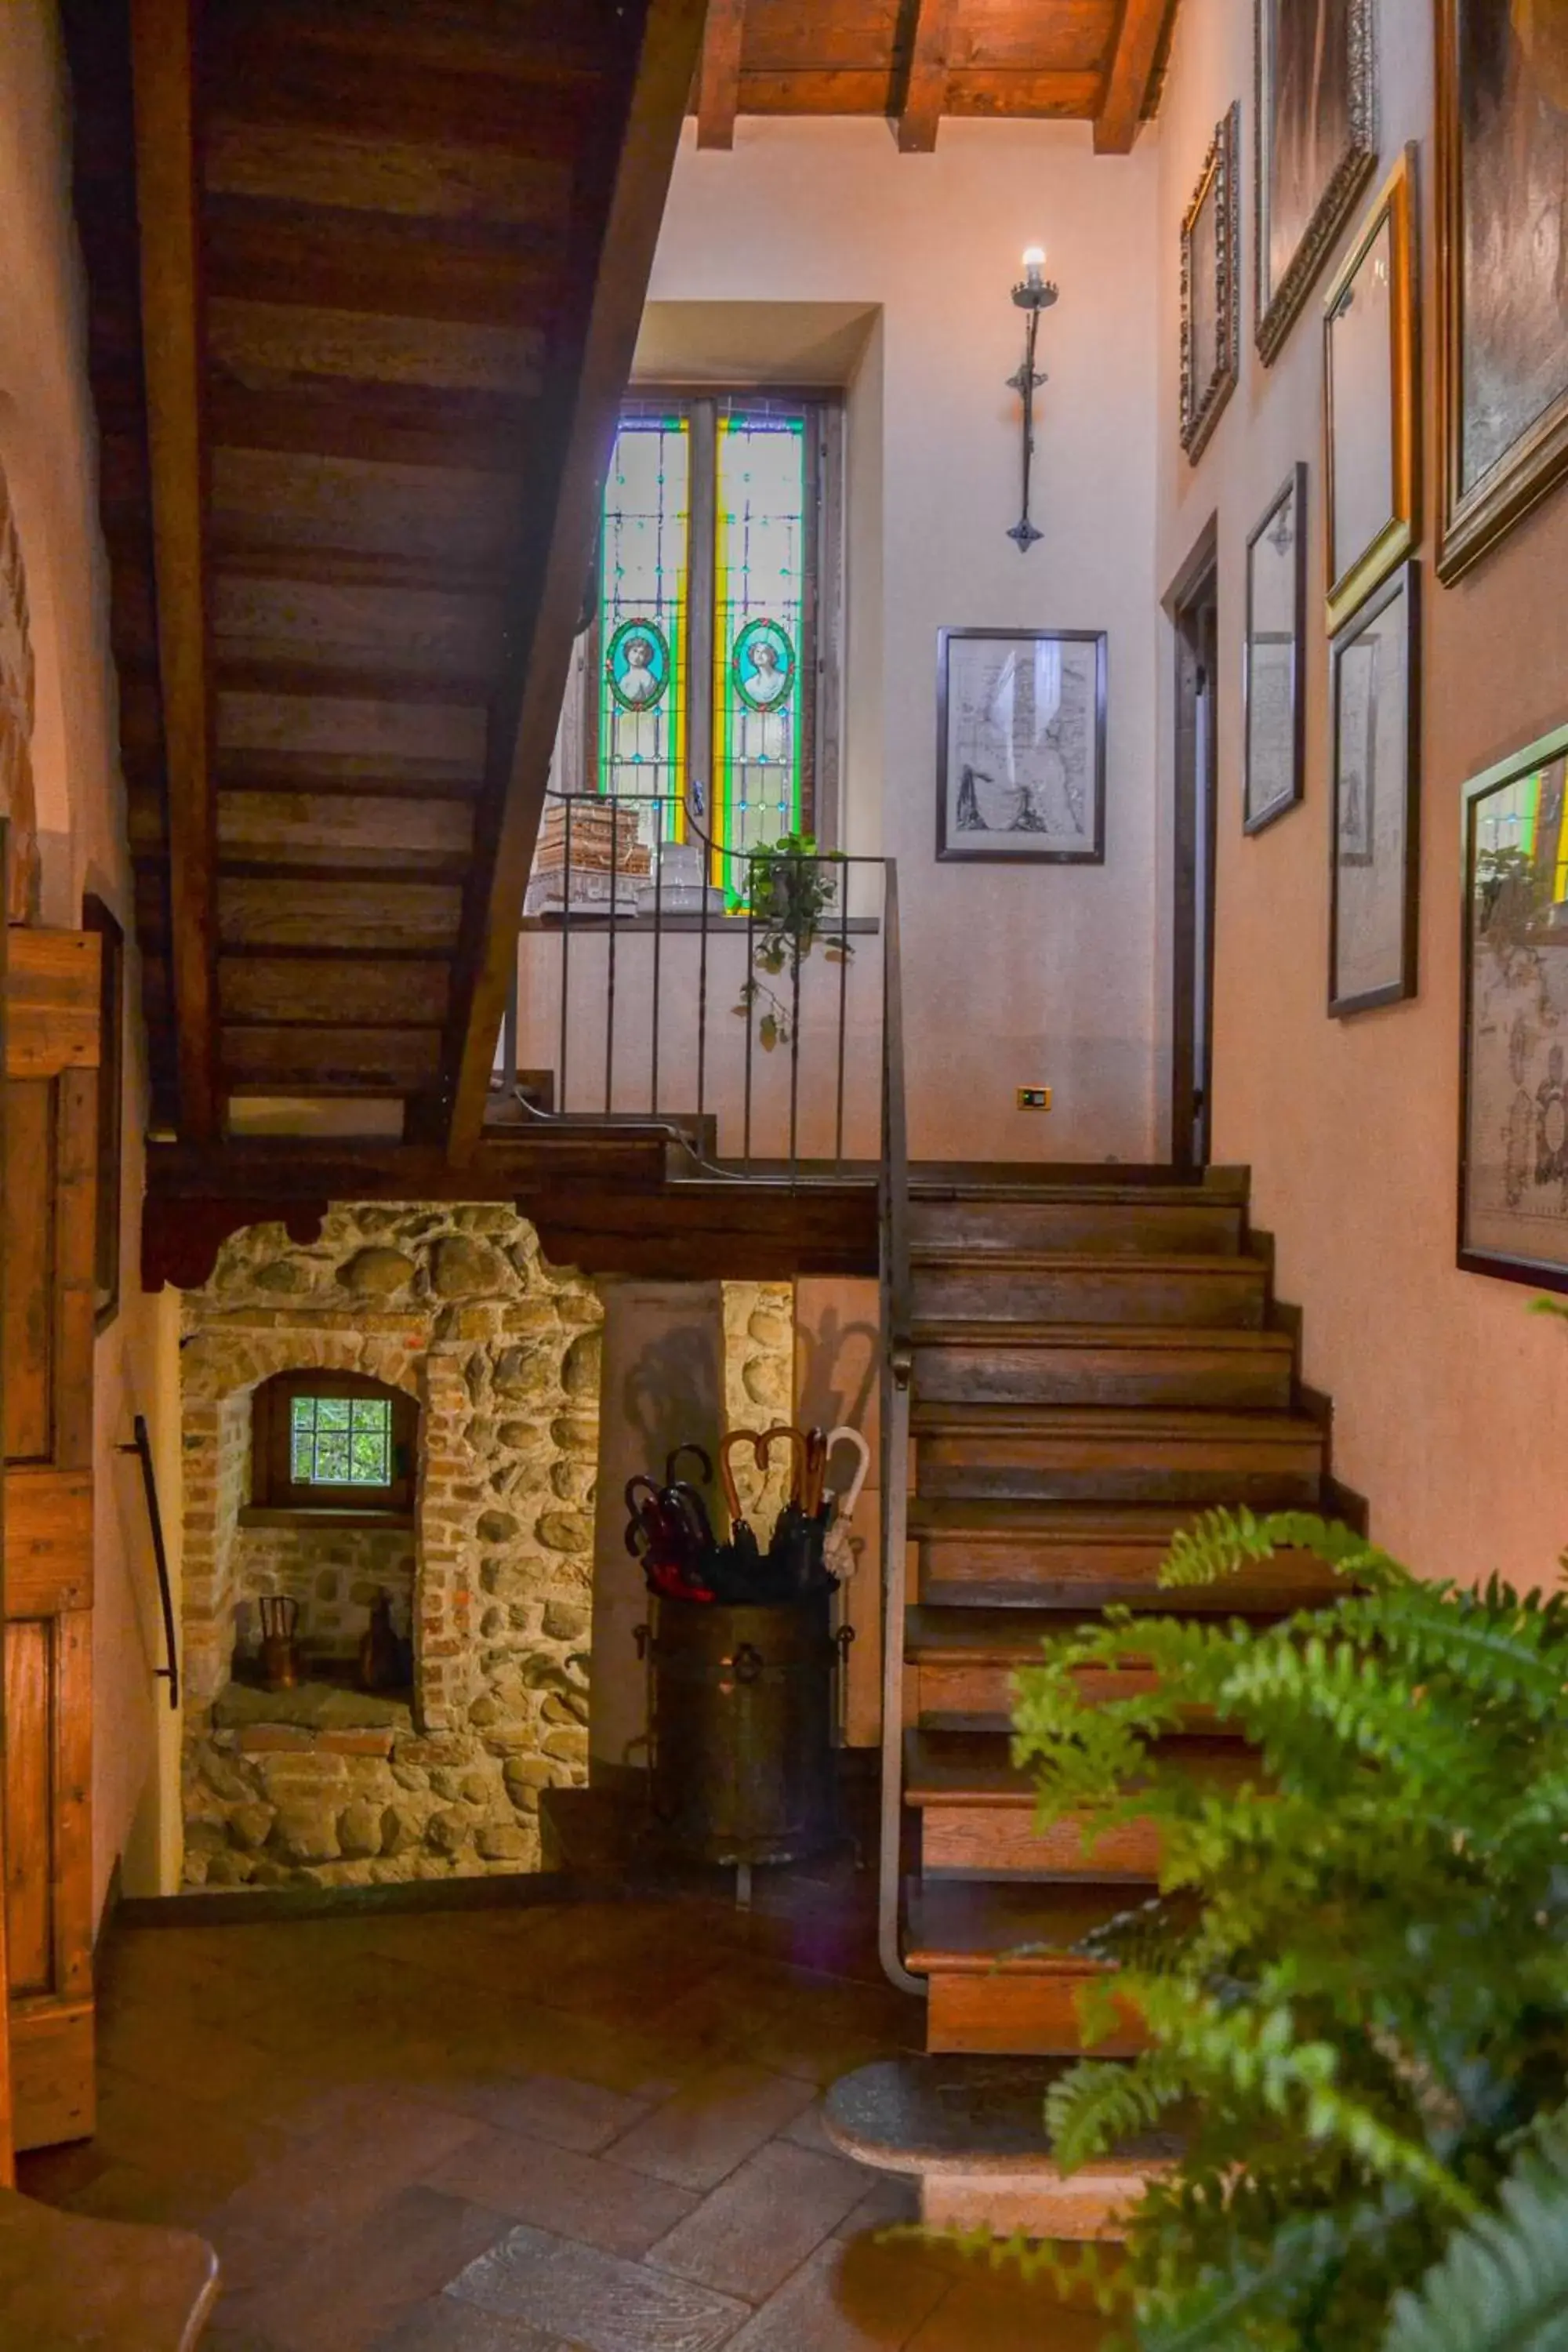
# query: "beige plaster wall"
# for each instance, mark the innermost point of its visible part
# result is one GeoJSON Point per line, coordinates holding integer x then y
{"type": "Point", "coordinates": [49, 447]}
{"type": "Point", "coordinates": [1009, 976]}
{"type": "Point", "coordinates": [1450, 1399]}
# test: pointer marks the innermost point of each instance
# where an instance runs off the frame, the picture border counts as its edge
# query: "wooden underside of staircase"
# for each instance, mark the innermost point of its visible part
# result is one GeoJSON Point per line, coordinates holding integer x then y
{"type": "Point", "coordinates": [1094, 1365]}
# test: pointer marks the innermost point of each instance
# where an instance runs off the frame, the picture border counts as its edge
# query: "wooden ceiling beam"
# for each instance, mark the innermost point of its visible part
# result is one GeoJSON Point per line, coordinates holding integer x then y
{"type": "Point", "coordinates": [925, 90]}
{"type": "Point", "coordinates": [569, 450]}
{"type": "Point", "coordinates": [1130, 74]}
{"type": "Point", "coordinates": [163, 77]}
{"type": "Point", "coordinates": [718, 76]}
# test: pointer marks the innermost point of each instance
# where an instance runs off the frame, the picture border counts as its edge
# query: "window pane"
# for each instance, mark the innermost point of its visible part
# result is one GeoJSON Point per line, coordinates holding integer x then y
{"type": "Point", "coordinates": [332, 1413]}
{"type": "Point", "coordinates": [332, 1466]}
{"type": "Point", "coordinates": [303, 1438]}
{"type": "Point", "coordinates": [642, 614]}
{"type": "Point", "coordinates": [760, 610]}
{"type": "Point", "coordinates": [372, 1443]}
{"type": "Point", "coordinates": [341, 1441]}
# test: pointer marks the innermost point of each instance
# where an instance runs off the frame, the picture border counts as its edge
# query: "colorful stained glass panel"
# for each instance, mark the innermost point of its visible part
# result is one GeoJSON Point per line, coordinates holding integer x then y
{"type": "Point", "coordinates": [644, 554]}
{"type": "Point", "coordinates": [760, 556]}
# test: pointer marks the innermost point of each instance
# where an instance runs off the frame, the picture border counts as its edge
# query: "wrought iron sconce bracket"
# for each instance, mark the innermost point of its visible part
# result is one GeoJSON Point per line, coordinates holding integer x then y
{"type": "Point", "coordinates": [1033, 294]}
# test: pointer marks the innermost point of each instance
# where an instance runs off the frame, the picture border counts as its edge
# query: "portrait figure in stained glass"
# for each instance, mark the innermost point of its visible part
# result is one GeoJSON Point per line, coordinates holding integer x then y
{"type": "Point", "coordinates": [763, 665]}
{"type": "Point", "coordinates": [637, 667]}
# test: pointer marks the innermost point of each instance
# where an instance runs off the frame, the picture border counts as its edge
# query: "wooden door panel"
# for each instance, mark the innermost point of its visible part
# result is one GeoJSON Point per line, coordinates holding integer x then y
{"type": "Point", "coordinates": [29, 1269]}
{"type": "Point", "coordinates": [29, 1824]}
{"type": "Point", "coordinates": [51, 1007]}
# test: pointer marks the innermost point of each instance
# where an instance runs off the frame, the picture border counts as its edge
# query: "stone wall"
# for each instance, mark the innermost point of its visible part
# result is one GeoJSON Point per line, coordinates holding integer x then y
{"type": "Point", "coordinates": [759, 1379]}
{"type": "Point", "coordinates": [457, 1305]}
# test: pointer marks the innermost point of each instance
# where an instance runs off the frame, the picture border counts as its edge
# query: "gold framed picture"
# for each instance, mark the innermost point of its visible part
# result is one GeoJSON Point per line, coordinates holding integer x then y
{"type": "Point", "coordinates": [1372, 416]}
{"type": "Point", "coordinates": [1315, 74]}
{"type": "Point", "coordinates": [1211, 287]}
{"type": "Point", "coordinates": [1502, 260]}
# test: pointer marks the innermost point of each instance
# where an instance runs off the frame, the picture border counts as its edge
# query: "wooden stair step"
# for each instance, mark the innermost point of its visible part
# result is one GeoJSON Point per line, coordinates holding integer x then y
{"type": "Point", "coordinates": [971, 2130]}
{"type": "Point", "coordinates": [1001, 1971]}
{"type": "Point", "coordinates": [964, 1659]}
{"type": "Point", "coordinates": [1099, 1364]}
{"type": "Point", "coordinates": [1103, 1454]}
{"type": "Point", "coordinates": [995, 1553]}
{"type": "Point", "coordinates": [978, 1808]}
{"type": "Point", "coordinates": [1089, 1287]}
{"type": "Point", "coordinates": [1118, 1218]}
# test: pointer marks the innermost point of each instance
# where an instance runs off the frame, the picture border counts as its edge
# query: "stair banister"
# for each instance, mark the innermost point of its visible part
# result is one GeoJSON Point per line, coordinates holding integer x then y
{"type": "Point", "coordinates": [897, 1355]}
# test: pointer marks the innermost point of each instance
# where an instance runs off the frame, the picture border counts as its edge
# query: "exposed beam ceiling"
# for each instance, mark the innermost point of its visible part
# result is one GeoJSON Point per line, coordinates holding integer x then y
{"type": "Point", "coordinates": [1131, 74]}
{"type": "Point", "coordinates": [926, 91]}
{"type": "Point", "coordinates": [719, 78]}
{"type": "Point", "coordinates": [164, 76]}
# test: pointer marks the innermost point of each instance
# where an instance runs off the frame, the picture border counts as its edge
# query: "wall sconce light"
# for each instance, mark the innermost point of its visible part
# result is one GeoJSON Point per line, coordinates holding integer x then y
{"type": "Point", "coordinates": [1033, 294]}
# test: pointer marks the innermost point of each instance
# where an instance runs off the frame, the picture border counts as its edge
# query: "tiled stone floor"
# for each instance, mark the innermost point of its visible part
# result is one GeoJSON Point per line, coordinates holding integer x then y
{"type": "Point", "coordinates": [591, 2127]}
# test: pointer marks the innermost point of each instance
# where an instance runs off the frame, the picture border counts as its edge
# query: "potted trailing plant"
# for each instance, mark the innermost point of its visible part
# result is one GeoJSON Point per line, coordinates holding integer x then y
{"type": "Point", "coordinates": [1363, 2022]}
{"type": "Point", "coordinates": [791, 885]}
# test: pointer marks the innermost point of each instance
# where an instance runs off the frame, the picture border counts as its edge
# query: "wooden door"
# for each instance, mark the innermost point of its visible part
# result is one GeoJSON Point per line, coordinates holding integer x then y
{"type": "Point", "coordinates": [8, 2127]}
{"type": "Point", "coordinates": [51, 1055]}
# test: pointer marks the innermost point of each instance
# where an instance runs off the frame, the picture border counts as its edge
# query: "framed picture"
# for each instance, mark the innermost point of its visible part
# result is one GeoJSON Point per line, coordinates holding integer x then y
{"type": "Point", "coordinates": [1513, 1096]}
{"type": "Point", "coordinates": [1317, 144]}
{"type": "Point", "coordinates": [1273, 716]}
{"type": "Point", "coordinates": [97, 917]}
{"type": "Point", "coordinates": [1502, 261]}
{"type": "Point", "coordinates": [1211, 288]}
{"type": "Point", "coordinates": [1376, 746]}
{"type": "Point", "coordinates": [1372, 416]}
{"type": "Point", "coordinates": [1021, 745]}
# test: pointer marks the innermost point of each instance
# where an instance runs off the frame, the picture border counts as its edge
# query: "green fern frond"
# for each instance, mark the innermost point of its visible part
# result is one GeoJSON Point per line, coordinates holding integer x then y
{"type": "Point", "coordinates": [1097, 2106]}
{"type": "Point", "coordinates": [1502, 2285]}
{"type": "Point", "coordinates": [1221, 1542]}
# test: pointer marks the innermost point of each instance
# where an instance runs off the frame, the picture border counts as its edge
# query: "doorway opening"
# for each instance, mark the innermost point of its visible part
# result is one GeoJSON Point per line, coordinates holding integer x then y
{"type": "Point", "coordinates": [1192, 603]}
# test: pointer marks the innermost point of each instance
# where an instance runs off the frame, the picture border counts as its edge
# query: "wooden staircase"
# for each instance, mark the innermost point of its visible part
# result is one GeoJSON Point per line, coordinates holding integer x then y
{"type": "Point", "coordinates": [1094, 1364]}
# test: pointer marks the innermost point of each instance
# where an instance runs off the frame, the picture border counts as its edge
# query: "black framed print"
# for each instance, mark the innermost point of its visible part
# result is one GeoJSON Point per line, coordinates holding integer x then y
{"type": "Point", "coordinates": [1274, 734]}
{"type": "Point", "coordinates": [1317, 144]}
{"type": "Point", "coordinates": [1513, 1062]}
{"type": "Point", "coordinates": [1375, 724]}
{"type": "Point", "coordinates": [1021, 746]}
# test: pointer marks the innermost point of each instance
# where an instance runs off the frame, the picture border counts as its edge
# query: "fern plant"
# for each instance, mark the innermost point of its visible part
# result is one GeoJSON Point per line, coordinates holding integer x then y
{"type": "Point", "coordinates": [1356, 1972]}
{"type": "Point", "coordinates": [790, 886]}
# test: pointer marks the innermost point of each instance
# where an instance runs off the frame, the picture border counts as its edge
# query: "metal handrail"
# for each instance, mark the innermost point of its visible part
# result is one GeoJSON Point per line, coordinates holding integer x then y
{"type": "Point", "coordinates": [898, 1359]}
{"type": "Point", "coordinates": [609, 923]}
{"type": "Point", "coordinates": [142, 1446]}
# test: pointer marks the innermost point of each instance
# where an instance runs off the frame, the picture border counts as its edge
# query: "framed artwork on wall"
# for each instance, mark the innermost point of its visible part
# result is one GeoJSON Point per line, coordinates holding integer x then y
{"type": "Point", "coordinates": [1274, 717]}
{"type": "Point", "coordinates": [1513, 1095]}
{"type": "Point", "coordinates": [1211, 288]}
{"type": "Point", "coordinates": [1372, 416]}
{"type": "Point", "coordinates": [1502, 266]}
{"type": "Point", "coordinates": [1315, 68]}
{"type": "Point", "coordinates": [1021, 746]}
{"type": "Point", "coordinates": [1375, 724]}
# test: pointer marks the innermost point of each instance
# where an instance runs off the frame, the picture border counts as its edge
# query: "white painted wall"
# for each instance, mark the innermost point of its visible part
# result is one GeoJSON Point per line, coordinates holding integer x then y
{"type": "Point", "coordinates": [1040, 973]}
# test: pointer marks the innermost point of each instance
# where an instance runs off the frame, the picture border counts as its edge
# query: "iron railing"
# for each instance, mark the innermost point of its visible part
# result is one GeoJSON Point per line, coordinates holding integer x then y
{"type": "Point", "coordinates": [736, 1010]}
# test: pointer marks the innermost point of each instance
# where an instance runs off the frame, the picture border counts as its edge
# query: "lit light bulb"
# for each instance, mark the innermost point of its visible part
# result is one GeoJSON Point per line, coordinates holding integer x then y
{"type": "Point", "coordinates": [1034, 265]}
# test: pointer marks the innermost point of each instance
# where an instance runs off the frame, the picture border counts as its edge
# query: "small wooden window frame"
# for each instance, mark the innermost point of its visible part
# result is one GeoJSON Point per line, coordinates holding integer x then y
{"type": "Point", "coordinates": [274, 1492]}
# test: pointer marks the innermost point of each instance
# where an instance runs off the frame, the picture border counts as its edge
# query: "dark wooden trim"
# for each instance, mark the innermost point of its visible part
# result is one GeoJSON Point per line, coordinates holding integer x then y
{"type": "Point", "coordinates": [718, 74]}
{"type": "Point", "coordinates": [925, 86]}
{"type": "Point", "coordinates": [1194, 591]}
{"type": "Point", "coordinates": [167, 204]}
{"type": "Point", "coordinates": [1130, 74]}
{"type": "Point", "coordinates": [97, 917]}
{"type": "Point", "coordinates": [638, 139]}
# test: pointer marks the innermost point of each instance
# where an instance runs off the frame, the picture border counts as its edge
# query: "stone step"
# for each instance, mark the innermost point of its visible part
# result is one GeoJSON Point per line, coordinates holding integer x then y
{"type": "Point", "coordinates": [1085, 1287]}
{"type": "Point", "coordinates": [1001, 1971]}
{"type": "Point", "coordinates": [978, 1809]}
{"type": "Point", "coordinates": [971, 2131]}
{"type": "Point", "coordinates": [1097, 1364]}
{"type": "Point", "coordinates": [1096, 1453]}
{"type": "Point", "coordinates": [1019, 1553]}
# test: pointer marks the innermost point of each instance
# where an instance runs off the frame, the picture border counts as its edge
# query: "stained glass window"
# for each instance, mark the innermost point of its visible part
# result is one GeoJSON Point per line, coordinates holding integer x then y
{"type": "Point", "coordinates": [706, 666]}
{"type": "Point", "coordinates": [340, 1441]}
{"type": "Point", "coordinates": [644, 551]}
